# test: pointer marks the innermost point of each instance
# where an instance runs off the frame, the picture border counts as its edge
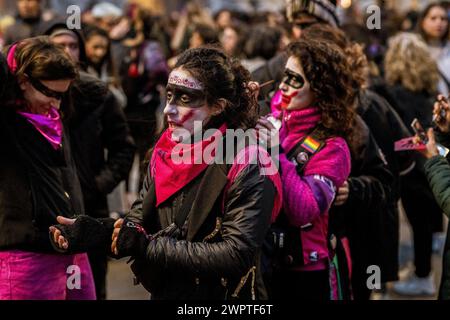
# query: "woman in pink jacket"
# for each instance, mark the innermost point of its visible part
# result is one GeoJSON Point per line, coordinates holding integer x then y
{"type": "Point", "coordinates": [314, 105]}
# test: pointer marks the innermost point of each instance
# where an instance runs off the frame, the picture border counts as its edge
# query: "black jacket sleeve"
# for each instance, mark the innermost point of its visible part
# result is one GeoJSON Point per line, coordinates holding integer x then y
{"type": "Point", "coordinates": [119, 144]}
{"type": "Point", "coordinates": [370, 180]}
{"type": "Point", "coordinates": [246, 219]}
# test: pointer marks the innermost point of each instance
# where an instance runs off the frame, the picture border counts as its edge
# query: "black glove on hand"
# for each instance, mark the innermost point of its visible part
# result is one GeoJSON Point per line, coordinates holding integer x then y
{"type": "Point", "coordinates": [86, 234]}
{"type": "Point", "coordinates": [132, 240]}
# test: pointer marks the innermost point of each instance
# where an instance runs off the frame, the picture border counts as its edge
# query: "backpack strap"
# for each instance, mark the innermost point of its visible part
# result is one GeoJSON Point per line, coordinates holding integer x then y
{"type": "Point", "coordinates": [305, 149]}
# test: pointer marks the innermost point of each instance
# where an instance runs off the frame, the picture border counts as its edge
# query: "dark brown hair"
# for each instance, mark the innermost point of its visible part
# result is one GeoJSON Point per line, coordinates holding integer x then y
{"type": "Point", "coordinates": [39, 58]}
{"type": "Point", "coordinates": [330, 76]}
{"type": "Point", "coordinates": [353, 51]}
{"type": "Point", "coordinates": [223, 78]}
{"type": "Point", "coordinates": [422, 17]}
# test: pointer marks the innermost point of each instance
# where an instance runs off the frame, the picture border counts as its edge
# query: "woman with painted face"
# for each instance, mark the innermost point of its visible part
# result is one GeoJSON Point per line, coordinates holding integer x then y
{"type": "Point", "coordinates": [314, 105]}
{"type": "Point", "coordinates": [197, 228]}
{"type": "Point", "coordinates": [38, 180]}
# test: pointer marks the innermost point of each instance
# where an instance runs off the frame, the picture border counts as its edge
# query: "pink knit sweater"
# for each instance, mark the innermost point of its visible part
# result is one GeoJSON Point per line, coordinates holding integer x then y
{"type": "Point", "coordinates": [307, 197]}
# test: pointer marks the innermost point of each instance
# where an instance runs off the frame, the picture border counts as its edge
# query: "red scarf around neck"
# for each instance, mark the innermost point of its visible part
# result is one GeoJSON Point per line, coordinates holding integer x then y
{"type": "Point", "coordinates": [169, 172]}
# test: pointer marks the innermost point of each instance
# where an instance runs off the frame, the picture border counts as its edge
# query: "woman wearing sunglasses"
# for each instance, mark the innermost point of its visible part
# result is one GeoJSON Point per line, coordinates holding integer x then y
{"type": "Point", "coordinates": [314, 105]}
{"type": "Point", "coordinates": [38, 180]}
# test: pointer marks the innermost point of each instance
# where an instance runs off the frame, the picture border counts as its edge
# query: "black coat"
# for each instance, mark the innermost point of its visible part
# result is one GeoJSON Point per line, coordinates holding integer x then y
{"type": "Point", "coordinates": [363, 217]}
{"type": "Point", "coordinates": [98, 125]}
{"type": "Point", "coordinates": [410, 105]}
{"type": "Point", "coordinates": [386, 127]}
{"type": "Point", "coordinates": [191, 267]}
{"type": "Point", "coordinates": [37, 183]}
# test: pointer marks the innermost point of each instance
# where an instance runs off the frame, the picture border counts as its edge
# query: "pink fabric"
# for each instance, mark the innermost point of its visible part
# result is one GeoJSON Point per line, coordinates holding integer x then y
{"type": "Point", "coordinates": [267, 167]}
{"type": "Point", "coordinates": [173, 176]}
{"type": "Point", "coordinates": [332, 162]}
{"type": "Point", "coordinates": [10, 59]}
{"type": "Point", "coordinates": [275, 104]}
{"type": "Point", "coordinates": [300, 203]}
{"type": "Point", "coordinates": [296, 124]}
{"type": "Point", "coordinates": [49, 126]}
{"type": "Point", "coordinates": [38, 276]}
{"type": "Point", "coordinates": [348, 256]}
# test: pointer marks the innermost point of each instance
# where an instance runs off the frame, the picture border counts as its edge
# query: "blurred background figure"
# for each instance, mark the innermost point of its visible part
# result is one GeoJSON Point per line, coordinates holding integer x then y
{"type": "Point", "coordinates": [412, 77]}
{"type": "Point", "coordinates": [433, 25]}
{"type": "Point", "coordinates": [100, 62]}
{"type": "Point", "coordinates": [232, 39]}
{"type": "Point", "coordinates": [28, 21]}
{"type": "Point", "coordinates": [262, 44]}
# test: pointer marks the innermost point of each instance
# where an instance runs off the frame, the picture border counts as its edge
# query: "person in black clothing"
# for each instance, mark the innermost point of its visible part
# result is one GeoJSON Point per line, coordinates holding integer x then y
{"type": "Point", "coordinates": [28, 21]}
{"type": "Point", "coordinates": [38, 179]}
{"type": "Point", "coordinates": [97, 124]}
{"type": "Point", "coordinates": [412, 77]}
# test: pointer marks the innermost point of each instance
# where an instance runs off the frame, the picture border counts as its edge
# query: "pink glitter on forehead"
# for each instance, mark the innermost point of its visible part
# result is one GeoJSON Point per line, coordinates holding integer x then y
{"type": "Point", "coordinates": [184, 81]}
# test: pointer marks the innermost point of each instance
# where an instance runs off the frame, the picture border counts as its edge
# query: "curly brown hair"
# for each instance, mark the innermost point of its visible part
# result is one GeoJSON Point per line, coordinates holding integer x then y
{"type": "Point", "coordinates": [354, 52]}
{"type": "Point", "coordinates": [223, 78]}
{"type": "Point", "coordinates": [331, 79]}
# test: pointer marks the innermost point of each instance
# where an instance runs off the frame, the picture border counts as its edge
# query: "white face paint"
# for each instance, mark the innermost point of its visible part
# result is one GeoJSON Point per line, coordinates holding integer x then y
{"type": "Point", "coordinates": [295, 88]}
{"type": "Point", "coordinates": [185, 105]}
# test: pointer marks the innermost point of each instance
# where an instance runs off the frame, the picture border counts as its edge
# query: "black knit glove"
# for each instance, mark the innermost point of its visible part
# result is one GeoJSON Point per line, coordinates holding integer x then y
{"type": "Point", "coordinates": [132, 240]}
{"type": "Point", "coordinates": [86, 234]}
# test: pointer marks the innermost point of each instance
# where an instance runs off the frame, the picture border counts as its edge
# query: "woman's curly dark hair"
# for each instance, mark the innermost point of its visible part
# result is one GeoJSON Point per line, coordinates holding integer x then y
{"type": "Point", "coordinates": [354, 52]}
{"type": "Point", "coordinates": [223, 78]}
{"type": "Point", "coordinates": [330, 76]}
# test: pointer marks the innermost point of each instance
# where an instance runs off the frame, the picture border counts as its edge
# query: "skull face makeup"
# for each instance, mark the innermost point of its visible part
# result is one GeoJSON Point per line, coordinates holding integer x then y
{"type": "Point", "coordinates": [186, 104]}
{"type": "Point", "coordinates": [295, 88]}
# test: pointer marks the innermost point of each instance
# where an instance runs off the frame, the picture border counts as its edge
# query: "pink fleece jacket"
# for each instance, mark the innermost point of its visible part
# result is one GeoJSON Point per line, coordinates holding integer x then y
{"type": "Point", "coordinates": [332, 162]}
{"type": "Point", "coordinates": [308, 197]}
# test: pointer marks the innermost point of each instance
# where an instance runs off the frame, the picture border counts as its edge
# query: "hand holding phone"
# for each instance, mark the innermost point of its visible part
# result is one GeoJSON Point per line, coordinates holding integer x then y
{"type": "Point", "coordinates": [423, 136]}
{"type": "Point", "coordinates": [441, 114]}
{"type": "Point", "coordinates": [419, 131]}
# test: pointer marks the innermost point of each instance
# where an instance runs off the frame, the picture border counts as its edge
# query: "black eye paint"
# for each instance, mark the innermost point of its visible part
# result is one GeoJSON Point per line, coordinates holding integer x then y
{"type": "Point", "coordinates": [293, 79]}
{"type": "Point", "coordinates": [185, 97]}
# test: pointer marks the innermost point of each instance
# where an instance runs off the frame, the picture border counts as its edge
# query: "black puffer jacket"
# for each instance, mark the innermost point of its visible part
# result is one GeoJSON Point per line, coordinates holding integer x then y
{"type": "Point", "coordinates": [200, 263]}
{"type": "Point", "coordinates": [98, 124]}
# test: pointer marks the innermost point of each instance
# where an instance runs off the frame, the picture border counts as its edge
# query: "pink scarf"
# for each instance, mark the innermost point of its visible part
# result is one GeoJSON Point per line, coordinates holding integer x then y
{"type": "Point", "coordinates": [297, 124]}
{"type": "Point", "coordinates": [50, 126]}
{"type": "Point", "coordinates": [170, 176]}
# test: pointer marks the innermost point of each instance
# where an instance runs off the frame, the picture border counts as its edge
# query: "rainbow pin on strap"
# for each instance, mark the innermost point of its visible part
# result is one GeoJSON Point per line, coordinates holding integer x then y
{"type": "Point", "coordinates": [310, 144]}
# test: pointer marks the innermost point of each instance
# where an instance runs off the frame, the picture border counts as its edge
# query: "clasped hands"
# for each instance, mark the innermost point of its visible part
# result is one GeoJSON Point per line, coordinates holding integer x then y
{"type": "Point", "coordinates": [121, 237]}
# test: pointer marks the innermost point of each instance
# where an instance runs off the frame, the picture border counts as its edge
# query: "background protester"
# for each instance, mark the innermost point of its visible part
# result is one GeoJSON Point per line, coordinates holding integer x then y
{"type": "Point", "coordinates": [434, 28]}
{"type": "Point", "coordinates": [102, 146]}
{"type": "Point", "coordinates": [412, 76]}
